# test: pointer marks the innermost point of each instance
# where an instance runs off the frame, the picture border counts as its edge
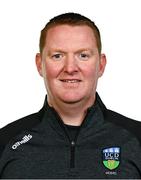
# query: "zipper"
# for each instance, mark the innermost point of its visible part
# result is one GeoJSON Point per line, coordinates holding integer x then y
{"type": "Point", "coordinates": [73, 146]}
{"type": "Point", "coordinates": [72, 142]}
{"type": "Point", "coordinates": [72, 155]}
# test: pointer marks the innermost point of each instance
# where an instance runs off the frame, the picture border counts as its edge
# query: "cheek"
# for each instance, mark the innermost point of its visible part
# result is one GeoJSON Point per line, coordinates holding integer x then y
{"type": "Point", "coordinates": [51, 71]}
{"type": "Point", "coordinates": [91, 72]}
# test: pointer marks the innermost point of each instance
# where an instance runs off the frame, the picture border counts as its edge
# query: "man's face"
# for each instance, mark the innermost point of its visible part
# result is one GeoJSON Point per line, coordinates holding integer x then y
{"type": "Point", "coordinates": [70, 64]}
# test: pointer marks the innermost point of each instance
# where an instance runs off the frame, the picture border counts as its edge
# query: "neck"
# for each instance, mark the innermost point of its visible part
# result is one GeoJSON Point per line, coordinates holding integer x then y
{"type": "Point", "coordinates": [72, 114]}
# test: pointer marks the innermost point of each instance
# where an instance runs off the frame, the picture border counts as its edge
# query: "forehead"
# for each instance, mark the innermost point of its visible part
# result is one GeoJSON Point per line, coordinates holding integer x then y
{"type": "Point", "coordinates": [63, 35]}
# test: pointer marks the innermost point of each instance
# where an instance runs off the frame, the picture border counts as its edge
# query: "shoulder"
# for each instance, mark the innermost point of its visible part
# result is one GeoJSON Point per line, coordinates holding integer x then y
{"type": "Point", "coordinates": [129, 124]}
{"type": "Point", "coordinates": [12, 129]}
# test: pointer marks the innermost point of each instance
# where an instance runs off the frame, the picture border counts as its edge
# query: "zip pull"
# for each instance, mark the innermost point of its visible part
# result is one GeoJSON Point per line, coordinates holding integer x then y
{"type": "Point", "coordinates": [72, 143]}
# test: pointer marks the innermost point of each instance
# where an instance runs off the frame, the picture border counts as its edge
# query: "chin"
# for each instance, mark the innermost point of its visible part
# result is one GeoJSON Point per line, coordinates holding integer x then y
{"type": "Point", "coordinates": [71, 100]}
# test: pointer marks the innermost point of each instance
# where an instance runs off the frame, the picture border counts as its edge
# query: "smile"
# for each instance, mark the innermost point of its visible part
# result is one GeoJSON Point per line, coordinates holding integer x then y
{"type": "Point", "coordinates": [71, 80]}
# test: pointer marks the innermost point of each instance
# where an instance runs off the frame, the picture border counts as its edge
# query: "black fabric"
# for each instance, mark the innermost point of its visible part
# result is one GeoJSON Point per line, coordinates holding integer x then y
{"type": "Point", "coordinates": [41, 146]}
{"type": "Point", "coordinates": [73, 130]}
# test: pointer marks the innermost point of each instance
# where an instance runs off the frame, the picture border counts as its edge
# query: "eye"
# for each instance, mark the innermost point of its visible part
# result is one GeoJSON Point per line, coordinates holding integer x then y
{"type": "Point", "coordinates": [84, 56]}
{"type": "Point", "coordinates": [57, 56]}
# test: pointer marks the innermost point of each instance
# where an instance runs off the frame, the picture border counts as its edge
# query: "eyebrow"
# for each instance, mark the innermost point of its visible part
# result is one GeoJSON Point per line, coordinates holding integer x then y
{"type": "Point", "coordinates": [85, 49]}
{"type": "Point", "coordinates": [55, 50]}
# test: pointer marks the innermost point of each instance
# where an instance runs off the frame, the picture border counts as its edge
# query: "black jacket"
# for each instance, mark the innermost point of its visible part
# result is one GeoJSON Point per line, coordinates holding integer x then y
{"type": "Point", "coordinates": [107, 145]}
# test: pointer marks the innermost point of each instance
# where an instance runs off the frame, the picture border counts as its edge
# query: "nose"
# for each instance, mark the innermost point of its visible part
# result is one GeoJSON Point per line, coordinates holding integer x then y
{"type": "Point", "coordinates": [71, 65]}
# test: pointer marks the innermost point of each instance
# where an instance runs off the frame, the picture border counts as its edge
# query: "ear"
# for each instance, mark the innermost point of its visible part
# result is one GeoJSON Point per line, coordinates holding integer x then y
{"type": "Point", "coordinates": [38, 60]}
{"type": "Point", "coordinates": [102, 64]}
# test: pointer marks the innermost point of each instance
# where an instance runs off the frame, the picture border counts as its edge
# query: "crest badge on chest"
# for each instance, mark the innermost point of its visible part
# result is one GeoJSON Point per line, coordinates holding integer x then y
{"type": "Point", "coordinates": [111, 157]}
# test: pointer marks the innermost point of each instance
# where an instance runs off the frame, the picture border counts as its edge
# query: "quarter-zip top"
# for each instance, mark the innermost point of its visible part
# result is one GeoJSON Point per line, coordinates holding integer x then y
{"type": "Point", "coordinates": [40, 146]}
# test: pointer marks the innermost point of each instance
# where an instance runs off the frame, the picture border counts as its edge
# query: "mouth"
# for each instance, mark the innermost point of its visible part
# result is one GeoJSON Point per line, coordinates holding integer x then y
{"type": "Point", "coordinates": [70, 80]}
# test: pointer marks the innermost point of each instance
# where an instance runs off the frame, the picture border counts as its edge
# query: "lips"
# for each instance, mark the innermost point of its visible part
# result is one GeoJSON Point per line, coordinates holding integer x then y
{"type": "Point", "coordinates": [71, 80]}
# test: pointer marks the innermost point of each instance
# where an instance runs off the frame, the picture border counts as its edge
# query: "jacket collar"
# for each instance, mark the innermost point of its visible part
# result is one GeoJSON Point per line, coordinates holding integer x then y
{"type": "Point", "coordinates": [90, 125]}
{"type": "Point", "coordinates": [98, 100]}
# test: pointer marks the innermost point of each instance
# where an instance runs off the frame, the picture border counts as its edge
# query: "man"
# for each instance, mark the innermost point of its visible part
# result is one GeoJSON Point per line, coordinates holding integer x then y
{"type": "Point", "coordinates": [74, 135]}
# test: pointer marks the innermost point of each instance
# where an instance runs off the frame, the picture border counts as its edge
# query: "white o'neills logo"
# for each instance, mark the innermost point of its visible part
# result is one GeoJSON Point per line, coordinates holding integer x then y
{"type": "Point", "coordinates": [25, 139]}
